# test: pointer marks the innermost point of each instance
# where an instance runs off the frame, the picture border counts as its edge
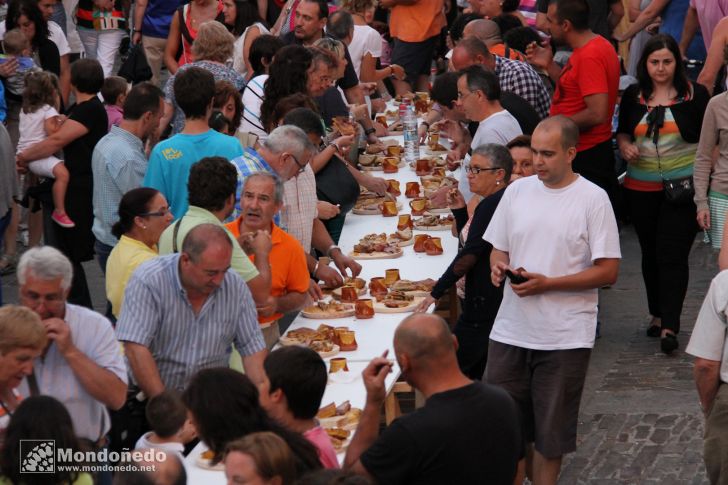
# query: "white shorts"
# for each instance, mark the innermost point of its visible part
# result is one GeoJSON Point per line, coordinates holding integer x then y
{"type": "Point", "coordinates": [44, 167]}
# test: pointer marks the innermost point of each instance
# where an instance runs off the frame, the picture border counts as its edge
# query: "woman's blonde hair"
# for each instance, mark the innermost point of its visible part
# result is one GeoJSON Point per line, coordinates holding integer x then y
{"type": "Point", "coordinates": [213, 43]}
{"type": "Point", "coordinates": [20, 327]}
{"type": "Point", "coordinates": [270, 453]}
{"type": "Point", "coordinates": [332, 45]}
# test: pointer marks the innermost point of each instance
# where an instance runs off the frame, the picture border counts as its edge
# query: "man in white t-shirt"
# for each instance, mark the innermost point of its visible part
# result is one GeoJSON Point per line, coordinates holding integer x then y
{"type": "Point", "coordinates": [479, 98]}
{"type": "Point", "coordinates": [561, 228]}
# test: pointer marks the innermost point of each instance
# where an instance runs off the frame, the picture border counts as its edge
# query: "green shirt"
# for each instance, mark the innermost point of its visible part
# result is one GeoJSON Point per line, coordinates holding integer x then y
{"type": "Point", "coordinates": [194, 217]}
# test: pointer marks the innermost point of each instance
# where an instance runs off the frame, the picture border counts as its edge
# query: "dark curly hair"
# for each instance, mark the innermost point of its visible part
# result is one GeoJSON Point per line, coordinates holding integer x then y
{"type": "Point", "coordinates": [29, 8]}
{"type": "Point", "coordinates": [224, 90]}
{"type": "Point", "coordinates": [38, 418]}
{"type": "Point", "coordinates": [224, 404]}
{"type": "Point", "coordinates": [212, 181]}
{"type": "Point", "coordinates": [288, 74]}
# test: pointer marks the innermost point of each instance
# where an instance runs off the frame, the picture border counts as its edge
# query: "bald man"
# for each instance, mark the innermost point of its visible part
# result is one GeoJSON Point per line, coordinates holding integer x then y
{"type": "Point", "coordinates": [182, 311]}
{"type": "Point", "coordinates": [561, 228]}
{"type": "Point", "coordinates": [467, 431]}
{"type": "Point", "coordinates": [486, 30]}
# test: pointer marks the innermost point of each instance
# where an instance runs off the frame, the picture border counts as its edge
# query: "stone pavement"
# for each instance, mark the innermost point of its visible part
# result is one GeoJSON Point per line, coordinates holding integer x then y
{"type": "Point", "coordinates": [640, 421]}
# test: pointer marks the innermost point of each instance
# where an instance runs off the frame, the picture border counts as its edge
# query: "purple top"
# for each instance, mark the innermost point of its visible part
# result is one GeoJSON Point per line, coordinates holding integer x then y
{"type": "Point", "coordinates": [115, 114]}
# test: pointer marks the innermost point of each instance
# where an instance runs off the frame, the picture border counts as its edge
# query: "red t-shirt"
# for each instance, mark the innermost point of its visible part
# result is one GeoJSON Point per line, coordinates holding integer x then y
{"type": "Point", "coordinates": [591, 69]}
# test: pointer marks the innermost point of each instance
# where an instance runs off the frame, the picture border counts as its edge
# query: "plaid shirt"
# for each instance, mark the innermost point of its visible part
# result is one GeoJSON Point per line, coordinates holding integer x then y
{"type": "Point", "coordinates": [520, 78]}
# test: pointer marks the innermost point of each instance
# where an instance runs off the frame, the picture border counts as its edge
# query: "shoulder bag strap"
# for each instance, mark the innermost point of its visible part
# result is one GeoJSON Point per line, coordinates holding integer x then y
{"type": "Point", "coordinates": [175, 231]}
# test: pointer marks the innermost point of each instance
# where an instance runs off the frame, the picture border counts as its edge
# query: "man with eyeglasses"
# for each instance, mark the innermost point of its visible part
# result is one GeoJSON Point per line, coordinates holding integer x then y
{"type": "Point", "coordinates": [479, 99]}
{"type": "Point", "coordinates": [82, 366]}
{"type": "Point", "coordinates": [119, 162]}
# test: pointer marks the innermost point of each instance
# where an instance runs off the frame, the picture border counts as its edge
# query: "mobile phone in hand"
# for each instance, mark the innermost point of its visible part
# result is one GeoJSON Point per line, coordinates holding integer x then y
{"type": "Point", "coordinates": [516, 279]}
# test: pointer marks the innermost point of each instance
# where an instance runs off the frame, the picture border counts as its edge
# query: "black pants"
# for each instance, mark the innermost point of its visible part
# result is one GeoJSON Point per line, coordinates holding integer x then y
{"type": "Point", "coordinates": [79, 294]}
{"type": "Point", "coordinates": [596, 164]}
{"type": "Point", "coordinates": [473, 331]}
{"type": "Point", "coordinates": [666, 233]}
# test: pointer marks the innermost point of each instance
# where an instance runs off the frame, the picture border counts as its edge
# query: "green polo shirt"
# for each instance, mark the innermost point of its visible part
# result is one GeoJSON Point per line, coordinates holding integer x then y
{"type": "Point", "coordinates": [194, 217]}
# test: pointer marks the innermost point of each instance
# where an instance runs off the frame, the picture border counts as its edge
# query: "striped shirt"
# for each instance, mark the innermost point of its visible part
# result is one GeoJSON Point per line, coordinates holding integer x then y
{"type": "Point", "coordinates": [521, 79]}
{"type": "Point", "coordinates": [119, 165]}
{"type": "Point", "coordinates": [252, 101]}
{"type": "Point", "coordinates": [157, 314]}
{"type": "Point", "coordinates": [673, 154]}
{"type": "Point", "coordinates": [93, 335]}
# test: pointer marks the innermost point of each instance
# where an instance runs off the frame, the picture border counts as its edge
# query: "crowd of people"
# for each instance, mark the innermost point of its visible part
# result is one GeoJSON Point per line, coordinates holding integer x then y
{"type": "Point", "coordinates": [211, 183]}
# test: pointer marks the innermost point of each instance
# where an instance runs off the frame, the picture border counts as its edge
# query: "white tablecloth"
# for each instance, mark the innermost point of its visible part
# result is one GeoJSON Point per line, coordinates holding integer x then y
{"type": "Point", "coordinates": [374, 335]}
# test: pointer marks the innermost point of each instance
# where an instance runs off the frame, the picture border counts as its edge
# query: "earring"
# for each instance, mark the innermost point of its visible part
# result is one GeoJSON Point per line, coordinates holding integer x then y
{"type": "Point", "coordinates": [497, 182]}
{"type": "Point", "coordinates": [144, 227]}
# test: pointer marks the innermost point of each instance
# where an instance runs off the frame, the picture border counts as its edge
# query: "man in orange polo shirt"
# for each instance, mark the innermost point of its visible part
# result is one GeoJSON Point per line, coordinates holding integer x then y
{"type": "Point", "coordinates": [260, 200]}
{"type": "Point", "coordinates": [415, 26]}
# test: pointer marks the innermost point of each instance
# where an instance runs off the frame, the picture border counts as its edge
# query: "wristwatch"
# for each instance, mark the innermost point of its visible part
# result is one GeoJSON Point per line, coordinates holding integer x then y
{"type": "Point", "coordinates": [369, 131]}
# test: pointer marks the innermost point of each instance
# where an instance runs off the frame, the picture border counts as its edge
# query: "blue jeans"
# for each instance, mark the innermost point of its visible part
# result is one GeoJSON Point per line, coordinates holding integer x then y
{"type": "Point", "coordinates": [102, 254]}
{"type": "Point", "coordinates": [59, 16]}
{"type": "Point", "coordinates": [4, 223]}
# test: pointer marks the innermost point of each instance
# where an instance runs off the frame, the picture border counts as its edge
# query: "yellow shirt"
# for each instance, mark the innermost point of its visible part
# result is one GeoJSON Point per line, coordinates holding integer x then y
{"type": "Point", "coordinates": [123, 260]}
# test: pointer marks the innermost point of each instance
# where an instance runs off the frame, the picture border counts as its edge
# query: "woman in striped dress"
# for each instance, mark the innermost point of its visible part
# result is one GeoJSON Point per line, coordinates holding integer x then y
{"type": "Point", "coordinates": [659, 128]}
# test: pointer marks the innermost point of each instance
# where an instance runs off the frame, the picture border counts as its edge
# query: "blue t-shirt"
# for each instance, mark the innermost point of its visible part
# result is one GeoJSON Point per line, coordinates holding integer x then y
{"type": "Point", "coordinates": [158, 17]}
{"type": "Point", "coordinates": [171, 160]}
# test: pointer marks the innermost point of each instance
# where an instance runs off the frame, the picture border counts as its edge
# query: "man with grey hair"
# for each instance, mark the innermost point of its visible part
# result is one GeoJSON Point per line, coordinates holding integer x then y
{"type": "Point", "coordinates": [462, 419]}
{"type": "Point", "coordinates": [82, 366]}
{"type": "Point", "coordinates": [561, 228]}
{"type": "Point", "coordinates": [182, 312]}
{"type": "Point", "coordinates": [285, 152]}
{"type": "Point", "coordinates": [479, 98]}
{"type": "Point", "coordinates": [261, 199]}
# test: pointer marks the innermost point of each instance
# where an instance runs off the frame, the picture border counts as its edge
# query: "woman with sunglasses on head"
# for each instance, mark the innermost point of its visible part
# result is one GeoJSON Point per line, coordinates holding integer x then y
{"type": "Point", "coordinates": [488, 173]}
{"type": "Point", "coordinates": [143, 215]}
{"type": "Point", "coordinates": [659, 128]}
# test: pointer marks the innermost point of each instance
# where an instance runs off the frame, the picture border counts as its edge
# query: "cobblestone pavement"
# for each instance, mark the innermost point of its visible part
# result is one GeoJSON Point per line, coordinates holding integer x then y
{"type": "Point", "coordinates": [639, 421]}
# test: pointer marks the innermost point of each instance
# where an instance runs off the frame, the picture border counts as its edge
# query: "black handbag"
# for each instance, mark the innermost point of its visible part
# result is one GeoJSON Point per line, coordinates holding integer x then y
{"type": "Point", "coordinates": [135, 68]}
{"type": "Point", "coordinates": [677, 191]}
{"type": "Point", "coordinates": [336, 185]}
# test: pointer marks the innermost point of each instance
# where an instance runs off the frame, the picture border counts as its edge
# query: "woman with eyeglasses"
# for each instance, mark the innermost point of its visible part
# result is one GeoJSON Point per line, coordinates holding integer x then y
{"type": "Point", "coordinates": [488, 173]}
{"type": "Point", "coordinates": [143, 215]}
{"type": "Point", "coordinates": [658, 133]}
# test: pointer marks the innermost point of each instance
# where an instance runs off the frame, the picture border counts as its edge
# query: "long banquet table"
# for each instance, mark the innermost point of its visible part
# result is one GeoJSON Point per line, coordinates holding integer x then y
{"type": "Point", "coordinates": [374, 335]}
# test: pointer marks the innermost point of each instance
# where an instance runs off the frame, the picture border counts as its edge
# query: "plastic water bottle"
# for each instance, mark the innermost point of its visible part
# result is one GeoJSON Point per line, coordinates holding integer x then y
{"type": "Point", "coordinates": [411, 143]}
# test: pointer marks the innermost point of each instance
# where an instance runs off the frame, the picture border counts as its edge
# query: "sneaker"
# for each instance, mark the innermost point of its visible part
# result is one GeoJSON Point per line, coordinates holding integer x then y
{"type": "Point", "coordinates": [62, 220]}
